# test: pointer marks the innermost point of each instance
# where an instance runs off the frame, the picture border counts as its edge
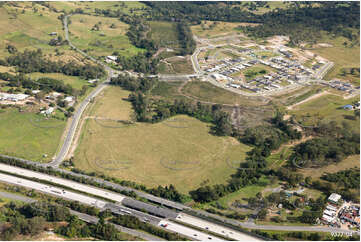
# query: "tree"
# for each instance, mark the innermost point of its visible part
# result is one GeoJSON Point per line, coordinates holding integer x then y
{"type": "Point", "coordinates": [262, 213]}
{"type": "Point", "coordinates": [36, 225]}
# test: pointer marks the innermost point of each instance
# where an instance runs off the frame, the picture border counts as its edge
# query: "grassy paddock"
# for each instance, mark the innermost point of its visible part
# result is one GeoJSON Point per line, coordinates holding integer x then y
{"type": "Point", "coordinates": [208, 92]}
{"type": "Point", "coordinates": [180, 65]}
{"type": "Point", "coordinates": [30, 30]}
{"type": "Point", "coordinates": [343, 57]}
{"type": "Point", "coordinates": [89, 7]}
{"type": "Point", "coordinates": [103, 42]}
{"type": "Point", "coordinates": [349, 162]}
{"type": "Point", "coordinates": [29, 135]}
{"type": "Point", "coordinates": [212, 29]}
{"type": "Point", "coordinates": [74, 81]}
{"type": "Point", "coordinates": [326, 108]}
{"type": "Point", "coordinates": [179, 151]}
{"type": "Point", "coordinates": [164, 33]}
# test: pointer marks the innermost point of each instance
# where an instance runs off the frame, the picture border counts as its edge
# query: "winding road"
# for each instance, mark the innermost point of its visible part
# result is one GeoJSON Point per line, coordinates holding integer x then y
{"type": "Point", "coordinates": [80, 109]}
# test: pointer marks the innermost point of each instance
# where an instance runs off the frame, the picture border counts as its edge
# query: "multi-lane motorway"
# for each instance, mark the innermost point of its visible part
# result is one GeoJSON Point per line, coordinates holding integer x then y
{"type": "Point", "coordinates": [121, 205]}
{"type": "Point", "coordinates": [214, 228]}
{"type": "Point", "coordinates": [74, 185]}
{"type": "Point", "coordinates": [115, 208]}
{"type": "Point", "coordinates": [55, 191]}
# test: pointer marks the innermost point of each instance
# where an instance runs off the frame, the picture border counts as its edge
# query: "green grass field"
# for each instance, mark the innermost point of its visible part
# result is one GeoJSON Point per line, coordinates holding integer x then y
{"type": "Point", "coordinates": [350, 162]}
{"type": "Point", "coordinates": [325, 108]}
{"type": "Point", "coordinates": [246, 192]}
{"type": "Point", "coordinates": [178, 151]}
{"type": "Point", "coordinates": [30, 30]}
{"type": "Point", "coordinates": [103, 42]}
{"type": "Point", "coordinates": [208, 92]}
{"type": "Point", "coordinates": [28, 135]}
{"type": "Point", "coordinates": [167, 90]}
{"type": "Point", "coordinates": [164, 33]}
{"type": "Point", "coordinates": [256, 71]}
{"type": "Point", "coordinates": [89, 7]}
{"type": "Point", "coordinates": [213, 29]}
{"type": "Point", "coordinates": [74, 81]}
{"type": "Point", "coordinates": [343, 57]}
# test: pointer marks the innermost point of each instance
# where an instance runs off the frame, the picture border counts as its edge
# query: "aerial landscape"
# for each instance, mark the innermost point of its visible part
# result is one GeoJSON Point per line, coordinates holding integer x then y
{"type": "Point", "coordinates": [168, 120]}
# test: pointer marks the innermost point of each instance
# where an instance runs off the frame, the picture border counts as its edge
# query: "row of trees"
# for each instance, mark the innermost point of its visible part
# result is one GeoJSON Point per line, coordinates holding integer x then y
{"type": "Point", "coordinates": [330, 147]}
{"type": "Point", "coordinates": [142, 62]}
{"type": "Point", "coordinates": [185, 37]}
{"type": "Point", "coordinates": [34, 61]}
{"type": "Point", "coordinates": [264, 139]}
{"type": "Point", "coordinates": [45, 84]}
{"type": "Point", "coordinates": [212, 193]}
{"type": "Point", "coordinates": [29, 219]}
{"type": "Point", "coordinates": [347, 178]}
{"type": "Point", "coordinates": [302, 22]}
{"type": "Point", "coordinates": [148, 110]}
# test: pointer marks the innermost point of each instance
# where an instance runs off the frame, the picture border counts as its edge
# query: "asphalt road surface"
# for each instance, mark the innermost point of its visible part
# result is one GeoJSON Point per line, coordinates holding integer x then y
{"type": "Point", "coordinates": [17, 197]}
{"type": "Point", "coordinates": [189, 232]}
{"type": "Point", "coordinates": [215, 228]}
{"type": "Point", "coordinates": [81, 107]}
{"type": "Point", "coordinates": [52, 190]}
{"type": "Point", "coordinates": [74, 185]}
{"type": "Point", "coordinates": [115, 208]}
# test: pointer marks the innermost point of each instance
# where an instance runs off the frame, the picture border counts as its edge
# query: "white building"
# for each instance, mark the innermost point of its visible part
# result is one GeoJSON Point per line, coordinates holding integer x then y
{"type": "Point", "coordinates": [328, 219]}
{"type": "Point", "coordinates": [219, 77]}
{"type": "Point", "coordinates": [70, 100]}
{"type": "Point", "coordinates": [49, 111]}
{"type": "Point", "coordinates": [13, 97]}
{"type": "Point", "coordinates": [111, 58]}
{"type": "Point", "coordinates": [334, 198]}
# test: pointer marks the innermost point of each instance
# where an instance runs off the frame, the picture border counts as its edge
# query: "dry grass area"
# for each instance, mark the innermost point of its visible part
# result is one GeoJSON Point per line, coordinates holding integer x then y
{"type": "Point", "coordinates": [326, 108]}
{"type": "Point", "coordinates": [27, 25]}
{"type": "Point", "coordinates": [8, 69]}
{"type": "Point", "coordinates": [213, 29]}
{"type": "Point", "coordinates": [179, 151]}
{"type": "Point", "coordinates": [207, 92]}
{"type": "Point", "coordinates": [110, 104]}
{"type": "Point", "coordinates": [74, 81]}
{"type": "Point", "coordinates": [343, 57]}
{"type": "Point", "coordinates": [90, 6]}
{"type": "Point", "coordinates": [109, 38]}
{"type": "Point", "coordinates": [350, 162]}
{"type": "Point", "coordinates": [181, 65]}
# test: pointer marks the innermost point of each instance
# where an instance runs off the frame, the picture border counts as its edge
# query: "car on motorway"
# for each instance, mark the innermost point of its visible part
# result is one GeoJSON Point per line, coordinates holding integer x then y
{"type": "Point", "coordinates": [164, 225]}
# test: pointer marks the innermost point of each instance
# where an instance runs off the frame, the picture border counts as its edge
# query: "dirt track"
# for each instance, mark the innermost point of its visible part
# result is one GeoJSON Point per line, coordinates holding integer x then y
{"type": "Point", "coordinates": [308, 99]}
